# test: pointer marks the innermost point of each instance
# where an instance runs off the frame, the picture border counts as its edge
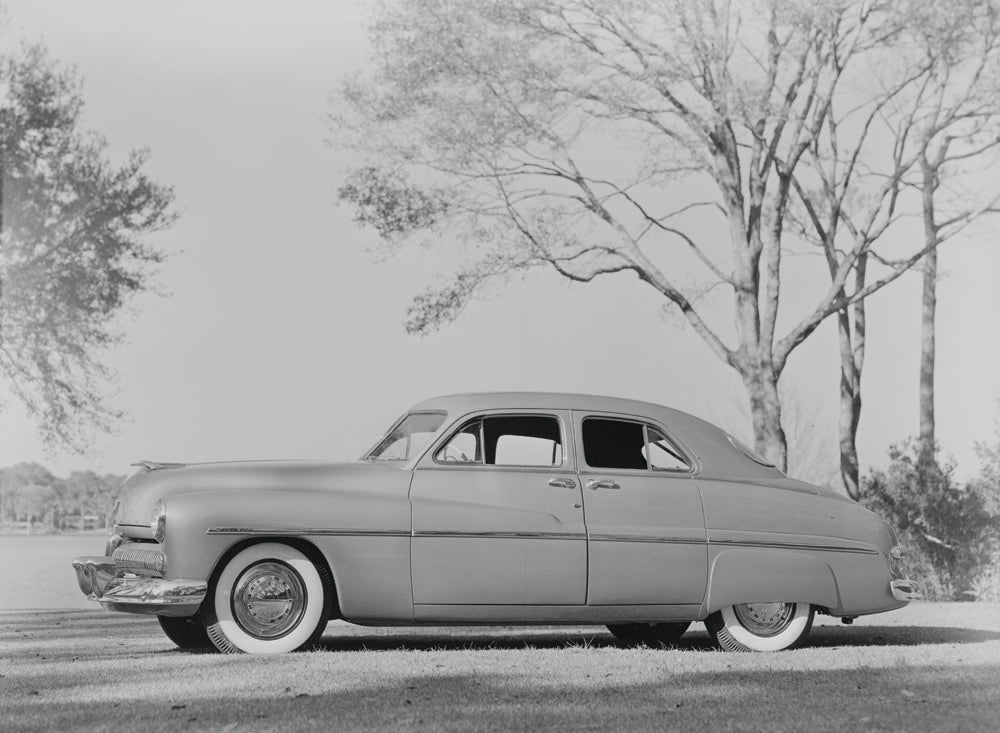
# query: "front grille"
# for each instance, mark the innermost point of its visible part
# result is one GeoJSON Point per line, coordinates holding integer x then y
{"type": "Point", "coordinates": [138, 561]}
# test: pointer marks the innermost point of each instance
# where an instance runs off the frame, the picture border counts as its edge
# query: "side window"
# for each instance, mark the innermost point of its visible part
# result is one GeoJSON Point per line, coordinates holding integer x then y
{"type": "Point", "coordinates": [506, 440]}
{"type": "Point", "coordinates": [609, 443]}
{"type": "Point", "coordinates": [662, 454]}
{"type": "Point", "coordinates": [522, 440]}
{"type": "Point", "coordinates": [613, 443]}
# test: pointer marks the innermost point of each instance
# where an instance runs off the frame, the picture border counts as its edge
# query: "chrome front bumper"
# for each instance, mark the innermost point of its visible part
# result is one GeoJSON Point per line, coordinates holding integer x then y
{"type": "Point", "coordinates": [133, 594]}
{"type": "Point", "coordinates": [905, 590]}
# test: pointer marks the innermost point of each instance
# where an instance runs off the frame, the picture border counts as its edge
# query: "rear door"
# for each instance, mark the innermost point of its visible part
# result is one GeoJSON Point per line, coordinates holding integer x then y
{"type": "Point", "coordinates": [645, 523]}
{"type": "Point", "coordinates": [497, 514]}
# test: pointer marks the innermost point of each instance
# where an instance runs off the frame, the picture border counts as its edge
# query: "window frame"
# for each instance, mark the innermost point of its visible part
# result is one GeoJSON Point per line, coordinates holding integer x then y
{"type": "Point", "coordinates": [462, 422]}
{"type": "Point", "coordinates": [367, 456]}
{"type": "Point", "coordinates": [646, 423]}
{"type": "Point", "coordinates": [452, 435]}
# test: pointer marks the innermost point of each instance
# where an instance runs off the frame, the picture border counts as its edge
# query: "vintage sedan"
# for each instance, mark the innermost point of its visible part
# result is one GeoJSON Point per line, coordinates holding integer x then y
{"type": "Point", "coordinates": [503, 508]}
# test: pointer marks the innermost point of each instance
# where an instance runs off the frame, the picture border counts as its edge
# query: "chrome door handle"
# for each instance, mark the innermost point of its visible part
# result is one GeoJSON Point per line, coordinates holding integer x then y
{"type": "Point", "coordinates": [604, 483]}
{"type": "Point", "coordinates": [562, 483]}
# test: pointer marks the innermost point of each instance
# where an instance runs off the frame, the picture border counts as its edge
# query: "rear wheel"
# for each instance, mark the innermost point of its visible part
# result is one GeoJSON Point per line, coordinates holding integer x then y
{"type": "Point", "coordinates": [650, 634]}
{"type": "Point", "coordinates": [187, 633]}
{"type": "Point", "coordinates": [760, 627]}
{"type": "Point", "coordinates": [269, 599]}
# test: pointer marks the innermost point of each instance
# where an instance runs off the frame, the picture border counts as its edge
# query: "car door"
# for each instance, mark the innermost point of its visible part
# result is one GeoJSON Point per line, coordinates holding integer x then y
{"type": "Point", "coordinates": [497, 514]}
{"type": "Point", "coordinates": [645, 523]}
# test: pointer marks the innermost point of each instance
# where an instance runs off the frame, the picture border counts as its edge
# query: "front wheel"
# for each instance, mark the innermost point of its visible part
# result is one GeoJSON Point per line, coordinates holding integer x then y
{"type": "Point", "coordinates": [187, 633]}
{"type": "Point", "coordinates": [650, 634]}
{"type": "Point", "coordinates": [760, 627]}
{"type": "Point", "coordinates": [269, 599]}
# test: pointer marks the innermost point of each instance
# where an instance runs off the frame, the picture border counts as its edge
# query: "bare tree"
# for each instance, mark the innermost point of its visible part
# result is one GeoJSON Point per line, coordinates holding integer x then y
{"type": "Point", "coordinates": [659, 138]}
{"type": "Point", "coordinates": [934, 98]}
{"type": "Point", "coordinates": [812, 445]}
{"type": "Point", "coordinates": [959, 143]}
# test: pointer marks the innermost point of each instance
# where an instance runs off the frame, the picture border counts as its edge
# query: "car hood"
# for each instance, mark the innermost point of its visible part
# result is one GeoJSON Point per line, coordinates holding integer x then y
{"type": "Point", "coordinates": [155, 481]}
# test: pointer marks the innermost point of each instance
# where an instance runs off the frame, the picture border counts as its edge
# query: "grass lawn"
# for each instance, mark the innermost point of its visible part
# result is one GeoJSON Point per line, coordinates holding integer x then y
{"type": "Point", "coordinates": [926, 667]}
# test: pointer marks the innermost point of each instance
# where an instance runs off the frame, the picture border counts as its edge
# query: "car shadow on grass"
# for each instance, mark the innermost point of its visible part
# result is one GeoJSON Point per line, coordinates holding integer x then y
{"type": "Point", "coordinates": [584, 696]}
{"type": "Point", "coordinates": [694, 639]}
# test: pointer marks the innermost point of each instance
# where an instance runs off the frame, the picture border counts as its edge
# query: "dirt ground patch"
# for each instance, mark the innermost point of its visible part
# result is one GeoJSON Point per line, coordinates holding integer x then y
{"type": "Point", "coordinates": [925, 667]}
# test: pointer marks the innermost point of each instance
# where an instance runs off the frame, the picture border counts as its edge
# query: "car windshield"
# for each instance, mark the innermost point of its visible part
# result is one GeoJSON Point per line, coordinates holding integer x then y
{"type": "Point", "coordinates": [408, 438]}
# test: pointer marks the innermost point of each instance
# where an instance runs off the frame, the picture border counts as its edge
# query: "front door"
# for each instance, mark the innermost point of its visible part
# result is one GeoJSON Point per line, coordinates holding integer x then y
{"type": "Point", "coordinates": [645, 521]}
{"type": "Point", "coordinates": [498, 516]}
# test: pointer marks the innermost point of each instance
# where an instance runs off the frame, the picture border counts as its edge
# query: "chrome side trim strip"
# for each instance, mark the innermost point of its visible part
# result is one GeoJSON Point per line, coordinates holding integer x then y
{"type": "Point", "coordinates": [648, 538]}
{"type": "Point", "coordinates": [285, 532]}
{"type": "Point", "coordinates": [775, 544]}
{"type": "Point", "coordinates": [502, 535]}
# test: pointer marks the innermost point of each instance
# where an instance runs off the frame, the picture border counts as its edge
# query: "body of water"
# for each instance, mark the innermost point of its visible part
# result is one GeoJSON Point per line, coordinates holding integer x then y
{"type": "Point", "coordinates": [35, 570]}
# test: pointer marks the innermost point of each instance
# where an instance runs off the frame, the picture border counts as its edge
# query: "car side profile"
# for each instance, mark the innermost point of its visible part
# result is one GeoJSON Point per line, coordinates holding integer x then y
{"type": "Point", "coordinates": [499, 508]}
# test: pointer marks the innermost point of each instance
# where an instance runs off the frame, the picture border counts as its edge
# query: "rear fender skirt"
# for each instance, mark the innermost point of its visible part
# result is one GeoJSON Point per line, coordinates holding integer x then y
{"type": "Point", "coordinates": [759, 575]}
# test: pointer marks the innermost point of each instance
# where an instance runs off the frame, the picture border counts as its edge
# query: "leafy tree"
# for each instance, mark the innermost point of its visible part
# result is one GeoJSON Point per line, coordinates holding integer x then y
{"type": "Point", "coordinates": [29, 492]}
{"type": "Point", "coordinates": [659, 138]}
{"type": "Point", "coordinates": [987, 482]}
{"type": "Point", "coordinates": [29, 488]}
{"type": "Point", "coordinates": [84, 494]}
{"type": "Point", "coordinates": [74, 247]}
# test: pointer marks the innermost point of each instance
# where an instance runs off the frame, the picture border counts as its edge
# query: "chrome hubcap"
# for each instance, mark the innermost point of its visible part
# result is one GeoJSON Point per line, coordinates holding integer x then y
{"type": "Point", "coordinates": [269, 599]}
{"type": "Point", "coordinates": [764, 619]}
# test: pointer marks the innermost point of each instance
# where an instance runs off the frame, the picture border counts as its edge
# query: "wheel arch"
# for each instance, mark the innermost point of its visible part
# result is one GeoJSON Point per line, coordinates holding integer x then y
{"type": "Point", "coordinates": [758, 575]}
{"type": "Point", "coordinates": [332, 603]}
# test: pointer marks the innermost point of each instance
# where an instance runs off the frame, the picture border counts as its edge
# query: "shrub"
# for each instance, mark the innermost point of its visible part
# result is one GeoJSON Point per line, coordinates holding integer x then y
{"type": "Point", "coordinates": [949, 528]}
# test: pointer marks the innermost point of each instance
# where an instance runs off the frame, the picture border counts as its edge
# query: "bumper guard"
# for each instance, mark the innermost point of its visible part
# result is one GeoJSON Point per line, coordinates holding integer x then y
{"type": "Point", "coordinates": [906, 590]}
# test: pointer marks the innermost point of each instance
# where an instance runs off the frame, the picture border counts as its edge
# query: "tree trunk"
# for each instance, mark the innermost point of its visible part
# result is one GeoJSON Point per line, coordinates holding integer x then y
{"type": "Point", "coordinates": [852, 361]}
{"type": "Point", "coordinates": [765, 412]}
{"type": "Point", "coordinates": [928, 308]}
{"type": "Point", "coordinates": [850, 407]}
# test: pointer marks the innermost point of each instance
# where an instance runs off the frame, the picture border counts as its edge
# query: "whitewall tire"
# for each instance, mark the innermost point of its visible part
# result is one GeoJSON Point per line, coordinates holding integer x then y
{"type": "Point", "coordinates": [760, 627]}
{"type": "Point", "coordinates": [269, 599]}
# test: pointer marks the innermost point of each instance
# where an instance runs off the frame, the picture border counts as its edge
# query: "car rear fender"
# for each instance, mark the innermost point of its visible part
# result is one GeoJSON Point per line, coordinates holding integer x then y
{"type": "Point", "coordinates": [752, 575]}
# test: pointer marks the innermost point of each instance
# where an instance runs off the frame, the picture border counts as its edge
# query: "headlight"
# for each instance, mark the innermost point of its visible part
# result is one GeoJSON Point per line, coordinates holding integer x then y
{"type": "Point", "coordinates": [158, 522]}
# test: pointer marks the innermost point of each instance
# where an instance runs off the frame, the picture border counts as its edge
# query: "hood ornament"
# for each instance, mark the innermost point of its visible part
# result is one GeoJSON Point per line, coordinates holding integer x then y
{"type": "Point", "coordinates": [156, 465]}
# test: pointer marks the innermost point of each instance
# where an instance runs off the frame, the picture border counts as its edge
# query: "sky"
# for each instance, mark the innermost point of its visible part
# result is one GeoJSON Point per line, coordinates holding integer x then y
{"type": "Point", "coordinates": [281, 335]}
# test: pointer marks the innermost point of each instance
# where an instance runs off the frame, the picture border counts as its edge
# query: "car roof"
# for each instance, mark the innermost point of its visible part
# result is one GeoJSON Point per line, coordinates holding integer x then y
{"type": "Point", "coordinates": [710, 443]}
{"type": "Point", "coordinates": [470, 401]}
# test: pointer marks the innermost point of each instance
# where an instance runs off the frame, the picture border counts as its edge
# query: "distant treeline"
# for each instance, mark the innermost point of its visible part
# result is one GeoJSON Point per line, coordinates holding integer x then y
{"type": "Point", "coordinates": [34, 499]}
